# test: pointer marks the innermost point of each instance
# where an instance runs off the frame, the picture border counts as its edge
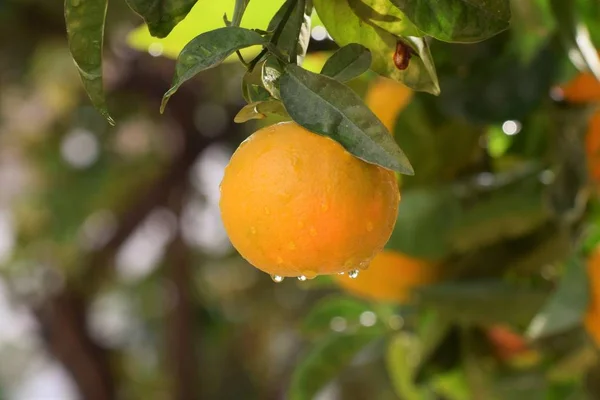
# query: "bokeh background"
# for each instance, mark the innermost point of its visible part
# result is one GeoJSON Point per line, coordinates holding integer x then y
{"type": "Point", "coordinates": [117, 279]}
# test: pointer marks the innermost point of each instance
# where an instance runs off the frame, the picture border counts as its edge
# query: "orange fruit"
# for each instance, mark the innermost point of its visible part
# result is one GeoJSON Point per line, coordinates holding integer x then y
{"type": "Point", "coordinates": [386, 98]}
{"type": "Point", "coordinates": [295, 203]}
{"type": "Point", "coordinates": [584, 88]}
{"type": "Point", "coordinates": [592, 317]}
{"type": "Point", "coordinates": [390, 277]}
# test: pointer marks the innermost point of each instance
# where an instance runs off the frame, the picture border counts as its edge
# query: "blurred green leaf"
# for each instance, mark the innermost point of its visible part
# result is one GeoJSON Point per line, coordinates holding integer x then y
{"type": "Point", "coordinates": [348, 62]}
{"type": "Point", "coordinates": [260, 110]}
{"type": "Point", "coordinates": [566, 307]}
{"type": "Point", "coordinates": [384, 14]}
{"type": "Point", "coordinates": [318, 320]}
{"type": "Point", "coordinates": [452, 385]}
{"type": "Point", "coordinates": [576, 36]}
{"type": "Point", "coordinates": [161, 16]}
{"type": "Point", "coordinates": [328, 107]}
{"type": "Point", "coordinates": [325, 360]}
{"type": "Point", "coordinates": [345, 27]}
{"type": "Point", "coordinates": [458, 20]}
{"type": "Point", "coordinates": [85, 30]}
{"type": "Point", "coordinates": [426, 218]}
{"type": "Point", "coordinates": [402, 358]}
{"type": "Point", "coordinates": [207, 51]}
{"type": "Point", "coordinates": [482, 302]}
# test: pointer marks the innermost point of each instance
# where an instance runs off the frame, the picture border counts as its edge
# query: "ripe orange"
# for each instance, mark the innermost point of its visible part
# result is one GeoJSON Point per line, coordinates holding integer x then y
{"type": "Point", "coordinates": [386, 98]}
{"type": "Point", "coordinates": [390, 277]}
{"type": "Point", "coordinates": [592, 317]}
{"type": "Point", "coordinates": [585, 88]}
{"type": "Point", "coordinates": [295, 203]}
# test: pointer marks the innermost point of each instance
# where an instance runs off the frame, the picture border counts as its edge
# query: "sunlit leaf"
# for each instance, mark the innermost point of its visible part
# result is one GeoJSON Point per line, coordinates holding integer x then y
{"type": "Point", "coordinates": [260, 110]}
{"type": "Point", "coordinates": [402, 359]}
{"type": "Point", "coordinates": [384, 14]}
{"type": "Point", "coordinates": [85, 29]}
{"type": "Point", "coordinates": [328, 107]}
{"type": "Point", "coordinates": [291, 36]}
{"type": "Point", "coordinates": [458, 20]}
{"type": "Point", "coordinates": [346, 27]}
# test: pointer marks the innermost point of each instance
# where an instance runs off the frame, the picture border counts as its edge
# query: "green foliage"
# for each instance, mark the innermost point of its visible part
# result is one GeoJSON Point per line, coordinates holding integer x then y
{"type": "Point", "coordinates": [348, 63]}
{"type": "Point", "coordinates": [161, 17]}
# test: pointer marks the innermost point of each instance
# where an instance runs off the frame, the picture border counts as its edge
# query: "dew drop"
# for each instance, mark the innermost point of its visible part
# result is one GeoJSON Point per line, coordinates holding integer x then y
{"type": "Point", "coordinates": [279, 260]}
{"type": "Point", "coordinates": [312, 231]}
{"type": "Point", "coordinates": [301, 278]}
{"type": "Point", "coordinates": [309, 274]}
{"type": "Point", "coordinates": [341, 273]}
{"type": "Point", "coordinates": [277, 278]}
{"type": "Point", "coordinates": [353, 274]}
{"type": "Point", "coordinates": [267, 211]}
{"type": "Point", "coordinates": [253, 230]}
{"type": "Point", "coordinates": [369, 226]}
{"type": "Point", "coordinates": [364, 264]}
{"type": "Point", "coordinates": [292, 246]}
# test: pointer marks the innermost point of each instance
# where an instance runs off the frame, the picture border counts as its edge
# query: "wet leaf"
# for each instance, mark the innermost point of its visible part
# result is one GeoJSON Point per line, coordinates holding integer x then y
{"type": "Point", "coordinates": [271, 72]}
{"type": "Point", "coordinates": [325, 360]}
{"type": "Point", "coordinates": [161, 16]}
{"type": "Point", "coordinates": [328, 107]}
{"type": "Point", "coordinates": [566, 307]}
{"type": "Point", "coordinates": [207, 51]}
{"type": "Point", "coordinates": [346, 27]}
{"type": "Point", "coordinates": [348, 62]}
{"type": "Point", "coordinates": [260, 110]}
{"type": "Point", "coordinates": [458, 20]}
{"type": "Point", "coordinates": [85, 29]}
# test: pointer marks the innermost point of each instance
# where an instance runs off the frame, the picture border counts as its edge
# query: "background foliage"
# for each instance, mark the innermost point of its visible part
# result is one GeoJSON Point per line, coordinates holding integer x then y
{"type": "Point", "coordinates": [117, 279]}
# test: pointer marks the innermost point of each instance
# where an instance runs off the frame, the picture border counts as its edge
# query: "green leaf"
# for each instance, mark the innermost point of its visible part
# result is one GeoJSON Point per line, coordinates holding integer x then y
{"type": "Point", "coordinates": [402, 359]}
{"type": "Point", "coordinates": [482, 302]}
{"type": "Point", "coordinates": [348, 62]}
{"type": "Point", "coordinates": [207, 51]}
{"type": "Point", "coordinates": [260, 110]}
{"type": "Point", "coordinates": [296, 32]}
{"type": "Point", "coordinates": [161, 16]}
{"type": "Point", "coordinates": [253, 89]}
{"type": "Point", "coordinates": [346, 27]}
{"type": "Point", "coordinates": [384, 14]}
{"type": "Point", "coordinates": [567, 306]}
{"type": "Point", "coordinates": [325, 360]}
{"type": "Point", "coordinates": [576, 36]}
{"type": "Point", "coordinates": [328, 107]}
{"type": "Point", "coordinates": [319, 319]}
{"type": "Point", "coordinates": [426, 218]}
{"type": "Point", "coordinates": [458, 20]}
{"type": "Point", "coordinates": [271, 72]}
{"type": "Point", "coordinates": [85, 30]}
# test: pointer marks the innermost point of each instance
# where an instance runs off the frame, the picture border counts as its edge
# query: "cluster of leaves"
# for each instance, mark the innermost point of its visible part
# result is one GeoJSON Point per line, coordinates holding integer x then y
{"type": "Point", "coordinates": [387, 36]}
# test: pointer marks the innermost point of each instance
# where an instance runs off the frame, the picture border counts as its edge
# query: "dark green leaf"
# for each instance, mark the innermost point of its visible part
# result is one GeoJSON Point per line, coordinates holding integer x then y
{"type": "Point", "coordinates": [566, 307]}
{"type": "Point", "coordinates": [325, 360]}
{"type": "Point", "coordinates": [426, 218]}
{"type": "Point", "coordinates": [383, 14]}
{"type": "Point", "coordinates": [209, 50]}
{"type": "Point", "coordinates": [161, 16]}
{"type": "Point", "coordinates": [319, 319]}
{"type": "Point", "coordinates": [328, 107]}
{"type": "Point", "coordinates": [482, 302]}
{"type": "Point", "coordinates": [348, 62]}
{"type": "Point", "coordinates": [85, 28]}
{"type": "Point", "coordinates": [296, 32]}
{"type": "Point", "coordinates": [260, 110]}
{"type": "Point", "coordinates": [346, 27]}
{"type": "Point", "coordinates": [271, 72]}
{"type": "Point", "coordinates": [458, 20]}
